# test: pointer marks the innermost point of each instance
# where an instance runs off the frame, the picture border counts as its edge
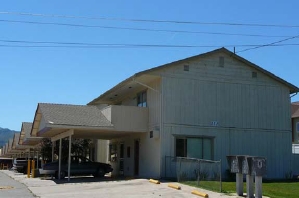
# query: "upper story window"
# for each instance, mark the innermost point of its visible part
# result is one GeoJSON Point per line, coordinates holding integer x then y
{"type": "Point", "coordinates": [141, 99]}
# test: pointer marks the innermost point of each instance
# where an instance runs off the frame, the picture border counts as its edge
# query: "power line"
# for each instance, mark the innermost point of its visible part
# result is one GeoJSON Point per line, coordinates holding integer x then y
{"type": "Point", "coordinates": [269, 44]}
{"type": "Point", "coordinates": [51, 44]}
{"type": "Point", "coordinates": [138, 29]}
{"type": "Point", "coordinates": [151, 20]}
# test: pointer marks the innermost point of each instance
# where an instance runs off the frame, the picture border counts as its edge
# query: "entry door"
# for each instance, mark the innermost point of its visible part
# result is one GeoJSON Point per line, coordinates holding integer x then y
{"type": "Point", "coordinates": [121, 159]}
{"type": "Point", "coordinates": [136, 157]}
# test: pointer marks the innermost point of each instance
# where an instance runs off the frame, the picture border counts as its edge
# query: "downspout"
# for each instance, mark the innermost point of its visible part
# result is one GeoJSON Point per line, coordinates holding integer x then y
{"type": "Point", "coordinates": [161, 128]}
{"type": "Point", "coordinates": [294, 94]}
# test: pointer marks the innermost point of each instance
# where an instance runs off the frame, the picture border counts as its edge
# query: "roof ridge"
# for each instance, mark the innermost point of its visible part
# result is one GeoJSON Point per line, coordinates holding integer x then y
{"type": "Point", "coordinates": [27, 123]}
{"type": "Point", "coordinates": [60, 104]}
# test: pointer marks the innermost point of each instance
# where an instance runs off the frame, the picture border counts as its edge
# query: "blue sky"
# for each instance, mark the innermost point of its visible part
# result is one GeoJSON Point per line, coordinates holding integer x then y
{"type": "Point", "coordinates": [72, 75]}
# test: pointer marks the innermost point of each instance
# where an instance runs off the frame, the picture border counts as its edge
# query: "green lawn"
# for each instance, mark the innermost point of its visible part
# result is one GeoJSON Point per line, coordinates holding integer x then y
{"type": "Point", "coordinates": [273, 189]}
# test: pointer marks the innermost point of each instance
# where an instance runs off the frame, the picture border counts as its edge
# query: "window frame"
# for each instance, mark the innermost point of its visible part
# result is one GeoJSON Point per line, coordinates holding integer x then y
{"type": "Point", "coordinates": [185, 138]}
{"type": "Point", "coordinates": [142, 99]}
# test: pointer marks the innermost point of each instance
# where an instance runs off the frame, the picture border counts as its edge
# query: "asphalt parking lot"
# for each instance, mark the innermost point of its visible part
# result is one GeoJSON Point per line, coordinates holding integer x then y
{"type": "Point", "coordinates": [91, 187]}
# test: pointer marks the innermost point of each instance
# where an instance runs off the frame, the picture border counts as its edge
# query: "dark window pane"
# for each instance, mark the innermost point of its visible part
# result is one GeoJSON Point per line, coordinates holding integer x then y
{"type": "Point", "coordinates": [122, 151]}
{"type": "Point", "coordinates": [180, 148]}
{"type": "Point", "coordinates": [141, 99]}
{"type": "Point", "coordinates": [128, 152]}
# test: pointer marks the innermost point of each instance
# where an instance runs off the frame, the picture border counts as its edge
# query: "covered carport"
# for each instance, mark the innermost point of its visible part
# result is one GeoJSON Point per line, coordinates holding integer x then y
{"type": "Point", "coordinates": [16, 149]}
{"type": "Point", "coordinates": [27, 142]}
{"type": "Point", "coordinates": [58, 121]}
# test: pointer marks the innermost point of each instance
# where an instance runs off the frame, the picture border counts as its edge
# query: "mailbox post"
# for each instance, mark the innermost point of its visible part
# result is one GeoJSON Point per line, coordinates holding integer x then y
{"type": "Point", "coordinates": [236, 167]}
{"type": "Point", "coordinates": [251, 166]}
{"type": "Point", "coordinates": [259, 169]}
{"type": "Point", "coordinates": [247, 169]}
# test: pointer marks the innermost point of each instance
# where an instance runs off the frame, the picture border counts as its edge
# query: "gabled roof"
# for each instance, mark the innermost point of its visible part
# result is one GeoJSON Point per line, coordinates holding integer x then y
{"type": "Point", "coordinates": [293, 88]}
{"type": "Point", "coordinates": [16, 139]}
{"type": "Point", "coordinates": [26, 127]}
{"type": "Point", "coordinates": [73, 115]}
{"type": "Point", "coordinates": [295, 109]}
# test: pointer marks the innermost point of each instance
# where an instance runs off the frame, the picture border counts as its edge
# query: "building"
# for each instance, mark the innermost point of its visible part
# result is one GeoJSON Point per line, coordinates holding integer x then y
{"type": "Point", "coordinates": [206, 106]}
{"type": "Point", "coordinates": [295, 127]}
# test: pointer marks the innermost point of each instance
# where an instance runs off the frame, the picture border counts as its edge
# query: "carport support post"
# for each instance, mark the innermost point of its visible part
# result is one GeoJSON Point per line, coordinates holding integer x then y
{"type": "Point", "coordinates": [53, 150]}
{"type": "Point", "coordinates": [59, 163]}
{"type": "Point", "coordinates": [37, 158]}
{"type": "Point", "coordinates": [69, 161]}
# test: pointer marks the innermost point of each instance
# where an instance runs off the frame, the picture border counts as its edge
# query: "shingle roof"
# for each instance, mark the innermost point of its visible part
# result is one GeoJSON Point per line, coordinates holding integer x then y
{"type": "Point", "coordinates": [27, 126]}
{"type": "Point", "coordinates": [16, 138]}
{"type": "Point", "coordinates": [74, 115]}
{"type": "Point", "coordinates": [295, 109]}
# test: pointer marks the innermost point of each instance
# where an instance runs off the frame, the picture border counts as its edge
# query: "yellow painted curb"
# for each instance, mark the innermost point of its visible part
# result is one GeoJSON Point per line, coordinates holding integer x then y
{"type": "Point", "coordinates": [5, 187]}
{"type": "Point", "coordinates": [154, 181]}
{"type": "Point", "coordinates": [195, 192]}
{"type": "Point", "coordinates": [174, 186]}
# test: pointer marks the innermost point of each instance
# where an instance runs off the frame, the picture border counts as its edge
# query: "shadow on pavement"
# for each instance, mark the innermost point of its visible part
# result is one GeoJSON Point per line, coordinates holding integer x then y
{"type": "Point", "coordinates": [82, 179]}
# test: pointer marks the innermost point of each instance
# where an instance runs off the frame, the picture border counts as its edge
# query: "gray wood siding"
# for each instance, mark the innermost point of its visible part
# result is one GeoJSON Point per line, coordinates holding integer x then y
{"type": "Point", "coordinates": [228, 95]}
{"type": "Point", "coordinates": [194, 102]}
{"type": "Point", "coordinates": [253, 114]}
{"type": "Point", "coordinates": [153, 103]}
{"type": "Point", "coordinates": [276, 148]}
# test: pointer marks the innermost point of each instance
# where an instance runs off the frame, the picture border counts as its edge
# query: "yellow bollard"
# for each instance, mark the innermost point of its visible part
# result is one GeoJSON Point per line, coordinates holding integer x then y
{"type": "Point", "coordinates": [32, 170]}
{"type": "Point", "coordinates": [28, 168]}
{"type": "Point", "coordinates": [174, 186]}
{"type": "Point", "coordinates": [154, 181]}
{"type": "Point", "coordinates": [196, 192]}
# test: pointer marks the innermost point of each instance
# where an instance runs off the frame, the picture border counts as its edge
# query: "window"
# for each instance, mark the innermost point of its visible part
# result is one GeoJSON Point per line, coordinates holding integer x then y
{"type": "Point", "coordinates": [297, 127]}
{"type": "Point", "coordinates": [254, 75]}
{"type": "Point", "coordinates": [141, 99]}
{"type": "Point", "coordinates": [200, 148]}
{"type": "Point", "coordinates": [128, 152]}
{"type": "Point", "coordinates": [221, 61]}
{"type": "Point", "coordinates": [151, 134]}
{"type": "Point", "coordinates": [186, 67]}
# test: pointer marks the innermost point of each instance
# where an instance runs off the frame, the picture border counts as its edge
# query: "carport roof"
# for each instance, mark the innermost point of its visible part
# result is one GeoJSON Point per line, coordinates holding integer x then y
{"type": "Point", "coordinates": [73, 115]}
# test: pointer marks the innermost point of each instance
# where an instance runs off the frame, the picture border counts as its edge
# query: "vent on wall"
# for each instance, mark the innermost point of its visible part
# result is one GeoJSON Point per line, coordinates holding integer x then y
{"type": "Point", "coordinates": [186, 67]}
{"type": "Point", "coordinates": [254, 74]}
{"type": "Point", "coordinates": [221, 61]}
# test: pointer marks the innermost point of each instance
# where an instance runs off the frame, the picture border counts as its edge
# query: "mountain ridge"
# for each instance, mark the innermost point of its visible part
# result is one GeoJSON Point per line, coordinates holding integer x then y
{"type": "Point", "coordinates": [5, 135]}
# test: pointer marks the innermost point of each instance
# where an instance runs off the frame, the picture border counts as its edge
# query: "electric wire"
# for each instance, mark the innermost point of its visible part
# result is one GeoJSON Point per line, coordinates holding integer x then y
{"type": "Point", "coordinates": [138, 29]}
{"type": "Point", "coordinates": [150, 20]}
{"type": "Point", "coordinates": [53, 44]}
{"type": "Point", "coordinates": [268, 44]}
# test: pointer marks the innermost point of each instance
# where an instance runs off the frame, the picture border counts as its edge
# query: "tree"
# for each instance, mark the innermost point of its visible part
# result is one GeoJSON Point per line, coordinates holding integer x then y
{"type": "Point", "coordinates": [79, 147]}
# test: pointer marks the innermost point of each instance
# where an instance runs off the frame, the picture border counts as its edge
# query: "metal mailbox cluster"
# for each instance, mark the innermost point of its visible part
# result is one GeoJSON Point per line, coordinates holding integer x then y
{"type": "Point", "coordinates": [250, 166]}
